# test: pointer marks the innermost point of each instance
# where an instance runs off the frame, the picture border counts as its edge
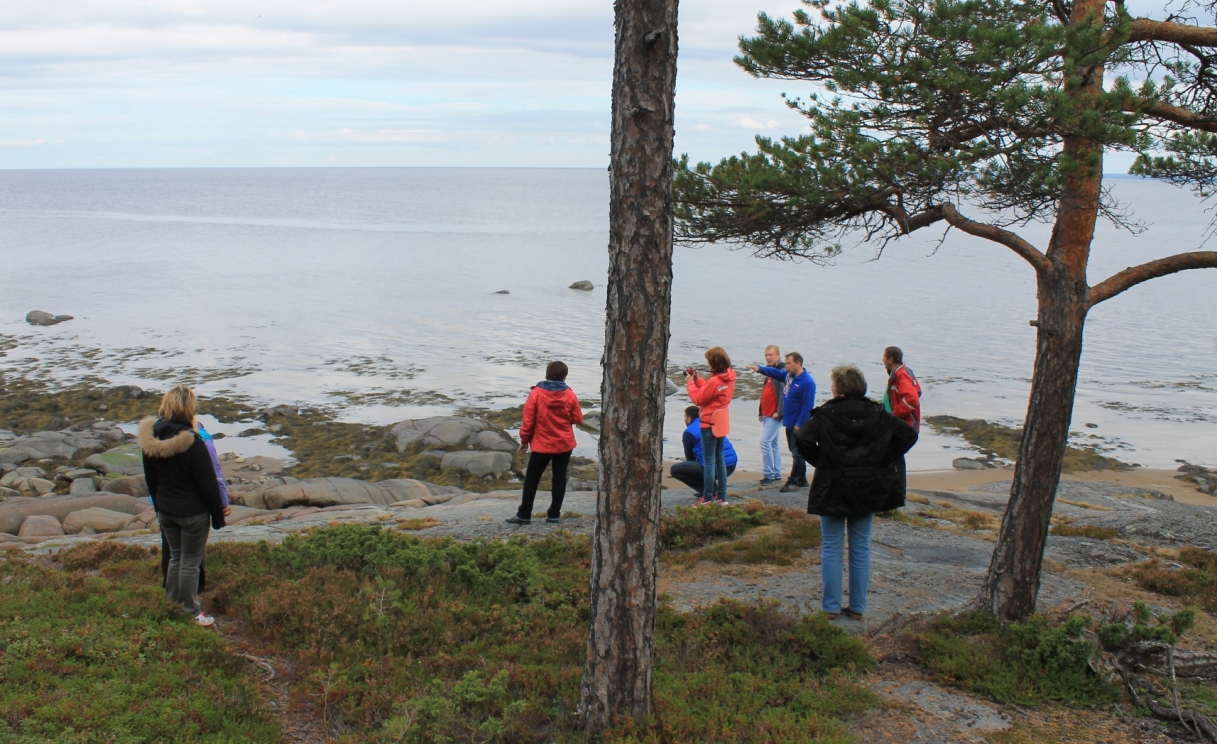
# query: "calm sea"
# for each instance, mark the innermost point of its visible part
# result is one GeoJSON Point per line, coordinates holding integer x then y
{"type": "Point", "coordinates": [373, 291]}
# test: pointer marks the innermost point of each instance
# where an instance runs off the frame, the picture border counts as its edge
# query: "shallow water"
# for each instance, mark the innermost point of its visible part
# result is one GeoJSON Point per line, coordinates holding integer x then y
{"type": "Point", "coordinates": [373, 291]}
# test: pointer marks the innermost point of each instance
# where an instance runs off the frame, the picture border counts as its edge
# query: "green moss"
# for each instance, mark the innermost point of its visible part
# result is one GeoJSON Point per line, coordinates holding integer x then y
{"type": "Point", "coordinates": [1003, 441]}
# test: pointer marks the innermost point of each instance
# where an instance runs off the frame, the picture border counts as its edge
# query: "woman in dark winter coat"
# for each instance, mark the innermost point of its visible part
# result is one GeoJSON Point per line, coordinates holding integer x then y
{"type": "Point", "coordinates": [857, 449]}
{"type": "Point", "coordinates": [550, 413]}
{"type": "Point", "coordinates": [182, 485]}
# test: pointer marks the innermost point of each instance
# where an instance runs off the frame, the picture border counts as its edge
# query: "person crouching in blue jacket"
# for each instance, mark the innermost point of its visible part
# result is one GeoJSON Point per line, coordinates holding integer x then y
{"type": "Point", "coordinates": [691, 471]}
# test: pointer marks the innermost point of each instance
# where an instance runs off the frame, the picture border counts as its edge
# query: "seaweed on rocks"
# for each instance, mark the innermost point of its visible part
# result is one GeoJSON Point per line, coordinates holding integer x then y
{"type": "Point", "coordinates": [997, 440]}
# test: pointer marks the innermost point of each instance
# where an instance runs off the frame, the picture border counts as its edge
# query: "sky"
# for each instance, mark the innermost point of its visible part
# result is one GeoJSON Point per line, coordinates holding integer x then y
{"type": "Point", "coordinates": [189, 83]}
{"type": "Point", "coordinates": [206, 83]}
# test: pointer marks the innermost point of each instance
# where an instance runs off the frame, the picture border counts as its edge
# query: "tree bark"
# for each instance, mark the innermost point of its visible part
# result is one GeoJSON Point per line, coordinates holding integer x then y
{"type": "Point", "coordinates": [1013, 581]}
{"type": "Point", "coordinates": [625, 546]}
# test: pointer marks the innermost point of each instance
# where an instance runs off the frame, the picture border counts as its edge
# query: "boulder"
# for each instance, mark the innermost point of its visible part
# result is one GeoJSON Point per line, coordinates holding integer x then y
{"type": "Point", "coordinates": [126, 459]}
{"type": "Point", "coordinates": [583, 285]}
{"type": "Point", "coordinates": [14, 511]}
{"type": "Point", "coordinates": [321, 492]}
{"type": "Point", "coordinates": [967, 463]}
{"type": "Point", "coordinates": [82, 486]}
{"type": "Point", "coordinates": [74, 473]}
{"type": "Point", "coordinates": [65, 443]}
{"type": "Point", "coordinates": [40, 318]}
{"type": "Point", "coordinates": [669, 388]}
{"type": "Point", "coordinates": [6, 435]}
{"type": "Point", "coordinates": [40, 525]}
{"type": "Point", "coordinates": [241, 513]}
{"type": "Point", "coordinates": [494, 440]}
{"type": "Point", "coordinates": [13, 455]}
{"type": "Point", "coordinates": [97, 519]}
{"type": "Point", "coordinates": [42, 486]}
{"type": "Point", "coordinates": [8, 493]}
{"type": "Point", "coordinates": [591, 420]}
{"type": "Point", "coordinates": [478, 463]}
{"type": "Point", "coordinates": [437, 431]}
{"type": "Point", "coordinates": [132, 485]}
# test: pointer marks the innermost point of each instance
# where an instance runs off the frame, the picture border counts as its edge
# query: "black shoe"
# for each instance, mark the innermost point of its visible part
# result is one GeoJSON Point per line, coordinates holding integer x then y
{"type": "Point", "coordinates": [518, 520]}
{"type": "Point", "coordinates": [803, 484]}
{"type": "Point", "coordinates": [789, 487]}
{"type": "Point", "coordinates": [770, 481]}
{"type": "Point", "coordinates": [552, 520]}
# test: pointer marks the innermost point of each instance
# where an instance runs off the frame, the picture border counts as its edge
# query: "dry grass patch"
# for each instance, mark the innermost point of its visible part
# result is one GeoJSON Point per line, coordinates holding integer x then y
{"type": "Point", "coordinates": [762, 534]}
{"type": "Point", "coordinates": [418, 523]}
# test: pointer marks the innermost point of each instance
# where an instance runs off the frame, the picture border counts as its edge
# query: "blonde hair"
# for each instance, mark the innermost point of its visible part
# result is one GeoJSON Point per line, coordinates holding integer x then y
{"type": "Point", "coordinates": [179, 404]}
{"type": "Point", "coordinates": [718, 359]}
{"type": "Point", "coordinates": [847, 379]}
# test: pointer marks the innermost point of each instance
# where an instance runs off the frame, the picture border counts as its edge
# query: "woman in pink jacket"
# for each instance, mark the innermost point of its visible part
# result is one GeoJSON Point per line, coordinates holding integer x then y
{"type": "Point", "coordinates": [712, 396]}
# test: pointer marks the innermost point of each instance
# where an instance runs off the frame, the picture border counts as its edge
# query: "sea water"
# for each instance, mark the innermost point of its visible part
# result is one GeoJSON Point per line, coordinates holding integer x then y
{"type": "Point", "coordinates": [375, 292]}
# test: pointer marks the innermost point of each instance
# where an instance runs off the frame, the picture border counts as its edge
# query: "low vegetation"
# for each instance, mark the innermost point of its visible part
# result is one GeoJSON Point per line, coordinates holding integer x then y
{"type": "Point", "coordinates": [1192, 577]}
{"type": "Point", "coordinates": [92, 652]}
{"type": "Point", "coordinates": [1024, 663]}
{"type": "Point", "coordinates": [390, 637]}
{"type": "Point", "coordinates": [753, 533]}
{"type": "Point", "coordinates": [1066, 527]}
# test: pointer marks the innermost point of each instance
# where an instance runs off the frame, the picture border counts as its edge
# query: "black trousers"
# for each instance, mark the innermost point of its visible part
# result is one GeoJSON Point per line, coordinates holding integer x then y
{"type": "Point", "coordinates": [692, 474]}
{"type": "Point", "coordinates": [165, 565]}
{"type": "Point", "coordinates": [798, 468]}
{"type": "Point", "coordinates": [537, 462]}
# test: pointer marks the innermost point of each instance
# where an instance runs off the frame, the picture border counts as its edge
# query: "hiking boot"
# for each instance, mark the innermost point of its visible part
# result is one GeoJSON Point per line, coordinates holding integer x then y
{"type": "Point", "coordinates": [518, 520]}
{"type": "Point", "coordinates": [552, 520]}
{"type": "Point", "coordinates": [789, 487]}
{"type": "Point", "coordinates": [847, 612]}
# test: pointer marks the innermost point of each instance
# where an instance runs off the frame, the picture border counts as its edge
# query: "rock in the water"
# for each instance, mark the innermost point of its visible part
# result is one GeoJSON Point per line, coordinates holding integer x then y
{"type": "Point", "coordinates": [591, 420]}
{"type": "Point", "coordinates": [126, 459]}
{"type": "Point", "coordinates": [40, 525]}
{"type": "Point", "coordinates": [62, 318]}
{"type": "Point", "coordinates": [40, 318]}
{"type": "Point", "coordinates": [478, 463]}
{"type": "Point", "coordinates": [97, 519]}
{"type": "Point", "coordinates": [967, 463]}
{"type": "Point", "coordinates": [583, 286]}
{"type": "Point", "coordinates": [502, 291]}
{"type": "Point", "coordinates": [82, 486]}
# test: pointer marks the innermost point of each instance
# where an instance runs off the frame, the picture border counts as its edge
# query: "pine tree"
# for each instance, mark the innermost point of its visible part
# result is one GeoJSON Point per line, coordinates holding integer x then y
{"type": "Point", "coordinates": [981, 115]}
{"type": "Point", "coordinates": [625, 546]}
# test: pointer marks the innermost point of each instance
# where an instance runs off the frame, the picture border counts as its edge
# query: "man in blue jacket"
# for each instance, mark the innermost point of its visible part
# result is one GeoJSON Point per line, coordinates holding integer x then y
{"type": "Point", "coordinates": [799, 399]}
{"type": "Point", "coordinates": [690, 471]}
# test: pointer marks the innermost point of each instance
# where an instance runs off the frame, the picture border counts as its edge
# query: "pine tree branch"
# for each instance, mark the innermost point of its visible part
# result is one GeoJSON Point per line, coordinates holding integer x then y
{"type": "Point", "coordinates": [1176, 114]}
{"type": "Point", "coordinates": [1134, 275]}
{"type": "Point", "coordinates": [1143, 29]}
{"type": "Point", "coordinates": [1028, 252]}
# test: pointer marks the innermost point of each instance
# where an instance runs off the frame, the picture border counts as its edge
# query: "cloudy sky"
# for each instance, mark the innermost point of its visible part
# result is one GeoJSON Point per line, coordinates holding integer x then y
{"type": "Point", "coordinates": [139, 83]}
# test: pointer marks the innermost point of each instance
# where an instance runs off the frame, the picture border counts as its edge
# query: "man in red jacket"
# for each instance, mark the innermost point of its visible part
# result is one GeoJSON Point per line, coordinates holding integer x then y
{"type": "Point", "coordinates": [902, 398]}
{"type": "Point", "coordinates": [550, 413]}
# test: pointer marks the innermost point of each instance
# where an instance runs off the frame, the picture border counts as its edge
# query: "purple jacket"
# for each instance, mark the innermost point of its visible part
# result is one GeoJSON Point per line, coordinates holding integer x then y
{"type": "Point", "coordinates": [215, 463]}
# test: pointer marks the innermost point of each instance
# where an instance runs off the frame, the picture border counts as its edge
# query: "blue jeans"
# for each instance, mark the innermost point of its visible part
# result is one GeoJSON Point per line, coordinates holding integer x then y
{"type": "Point", "coordinates": [833, 531]}
{"type": "Point", "coordinates": [771, 451]}
{"type": "Point", "coordinates": [714, 467]}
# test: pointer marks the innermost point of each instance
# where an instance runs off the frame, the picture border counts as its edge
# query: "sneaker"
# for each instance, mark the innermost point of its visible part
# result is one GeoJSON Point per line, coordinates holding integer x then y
{"type": "Point", "coordinates": [703, 501]}
{"type": "Point", "coordinates": [722, 502]}
{"type": "Point", "coordinates": [552, 520]}
{"type": "Point", "coordinates": [769, 481]}
{"type": "Point", "coordinates": [789, 487]}
{"type": "Point", "coordinates": [204, 620]}
{"type": "Point", "coordinates": [518, 520]}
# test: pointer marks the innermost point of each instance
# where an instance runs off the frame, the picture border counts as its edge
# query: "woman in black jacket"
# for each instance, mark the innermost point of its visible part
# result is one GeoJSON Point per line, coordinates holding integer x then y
{"type": "Point", "coordinates": [183, 487]}
{"type": "Point", "coordinates": [857, 449]}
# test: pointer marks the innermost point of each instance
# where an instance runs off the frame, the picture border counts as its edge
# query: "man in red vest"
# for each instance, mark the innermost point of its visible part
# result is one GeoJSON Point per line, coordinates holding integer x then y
{"type": "Point", "coordinates": [902, 397]}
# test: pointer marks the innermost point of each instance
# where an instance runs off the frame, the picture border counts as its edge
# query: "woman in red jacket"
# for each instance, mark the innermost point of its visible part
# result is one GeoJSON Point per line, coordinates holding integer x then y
{"type": "Point", "coordinates": [550, 413]}
{"type": "Point", "coordinates": [714, 398]}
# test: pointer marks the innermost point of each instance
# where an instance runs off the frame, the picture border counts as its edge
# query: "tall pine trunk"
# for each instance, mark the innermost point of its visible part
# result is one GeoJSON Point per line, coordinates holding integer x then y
{"type": "Point", "coordinates": [625, 547]}
{"type": "Point", "coordinates": [1013, 580]}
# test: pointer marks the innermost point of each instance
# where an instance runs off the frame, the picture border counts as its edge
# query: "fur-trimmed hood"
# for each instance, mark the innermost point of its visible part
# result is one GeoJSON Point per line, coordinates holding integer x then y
{"type": "Point", "coordinates": [172, 444]}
